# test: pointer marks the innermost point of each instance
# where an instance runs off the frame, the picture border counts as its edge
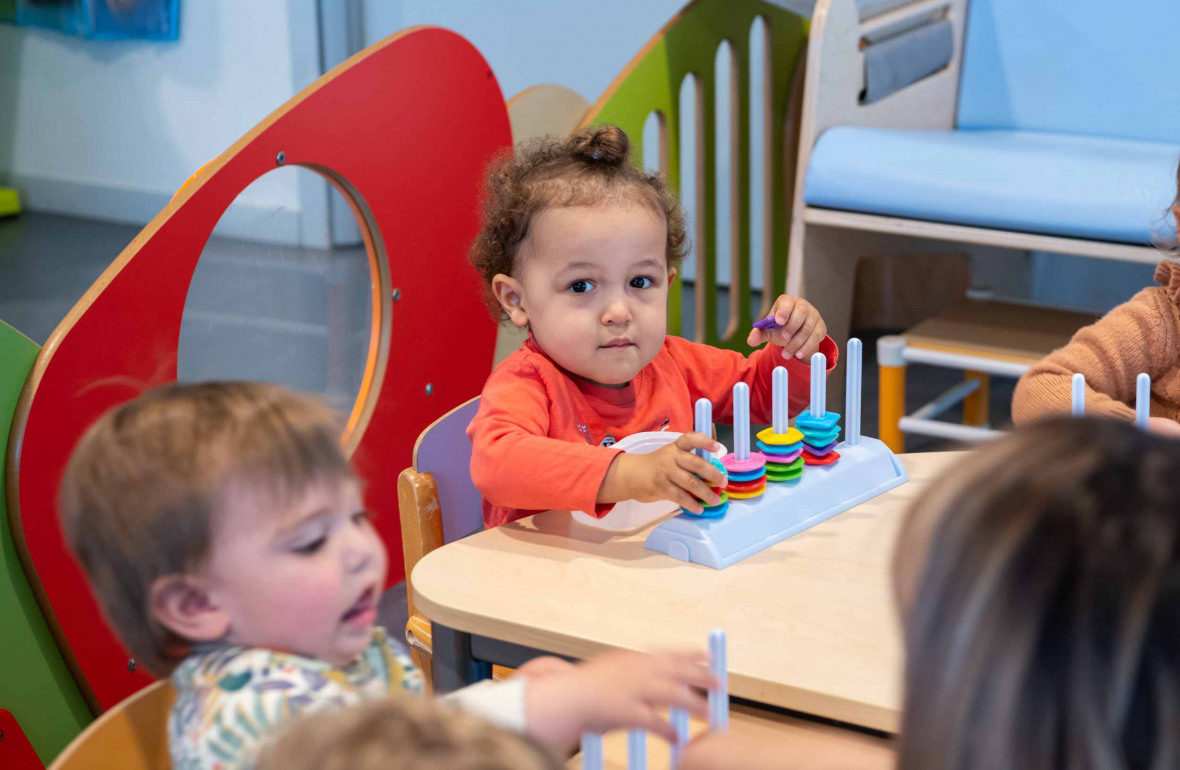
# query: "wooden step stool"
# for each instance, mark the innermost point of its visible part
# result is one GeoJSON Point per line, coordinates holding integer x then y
{"type": "Point", "coordinates": [983, 338]}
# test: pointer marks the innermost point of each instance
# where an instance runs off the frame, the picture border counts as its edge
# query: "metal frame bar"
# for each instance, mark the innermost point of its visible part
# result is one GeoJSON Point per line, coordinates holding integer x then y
{"type": "Point", "coordinates": [949, 430]}
{"type": "Point", "coordinates": [897, 354]}
{"type": "Point", "coordinates": [960, 361]}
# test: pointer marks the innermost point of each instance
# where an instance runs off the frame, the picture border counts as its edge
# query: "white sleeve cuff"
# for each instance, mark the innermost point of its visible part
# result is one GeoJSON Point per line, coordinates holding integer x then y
{"type": "Point", "coordinates": [501, 703]}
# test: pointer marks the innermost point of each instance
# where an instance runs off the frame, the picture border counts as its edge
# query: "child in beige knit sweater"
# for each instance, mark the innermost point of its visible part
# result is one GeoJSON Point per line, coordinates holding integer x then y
{"type": "Point", "coordinates": [1142, 335]}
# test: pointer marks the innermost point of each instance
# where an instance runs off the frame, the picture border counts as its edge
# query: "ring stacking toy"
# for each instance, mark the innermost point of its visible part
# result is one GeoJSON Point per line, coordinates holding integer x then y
{"type": "Point", "coordinates": [780, 444]}
{"type": "Point", "coordinates": [820, 428]}
{"type": "Point", "coordinates": [704, 424]}
{"type": "Point", "coordinates": [749, 466]}
{"type": "Point", "coordinates": [866, 469]}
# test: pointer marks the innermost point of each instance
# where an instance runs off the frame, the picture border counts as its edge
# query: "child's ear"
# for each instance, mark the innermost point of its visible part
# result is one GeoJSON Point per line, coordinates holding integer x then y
{"type": "Point", "coordinates": [671, 275]}
{"type": "Point", "coordinates": [1176, 215]}
{"type": "Point", "coordinates": [181, 604]}
{"type": "Point", "coordinates": [510, 295]}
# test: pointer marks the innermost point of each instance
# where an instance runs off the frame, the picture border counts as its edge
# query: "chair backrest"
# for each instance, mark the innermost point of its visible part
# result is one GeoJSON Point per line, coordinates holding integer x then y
{"type": "Point", "coordinates": [1090, 67]}
{"type": "Point", "coordinates": [651, 82]}
{"type": "Point", "coordinates": [405, 130]}
{"type": "Point", "coordinates": [35, 683]}
{"type": "Point", "coordinates": [132, 735]}
{"type": "Point", "coordinates": [437, 501]}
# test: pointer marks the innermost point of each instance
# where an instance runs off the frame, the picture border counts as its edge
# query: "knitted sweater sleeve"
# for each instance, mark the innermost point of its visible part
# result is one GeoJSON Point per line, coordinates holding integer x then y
{"type": "Point", "coordinates": [1138, 336]}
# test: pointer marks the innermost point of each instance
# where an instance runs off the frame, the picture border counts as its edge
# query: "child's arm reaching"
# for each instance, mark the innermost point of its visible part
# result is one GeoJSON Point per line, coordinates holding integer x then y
{"type": "Point", "coordinates": [1135, 337]}
{"type": "Point", "coordinates": [798, 334]}
{"type": "Point", "coordinates": [555, 701]}
{"type": "Point", "coordinates": [617, 690]}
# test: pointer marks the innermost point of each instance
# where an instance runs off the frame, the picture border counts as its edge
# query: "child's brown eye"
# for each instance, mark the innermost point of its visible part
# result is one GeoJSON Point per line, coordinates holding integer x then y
{"type": "Point", "coordinates": [581, 287]}
{"type": "Point", "coordinates": [642, 282]}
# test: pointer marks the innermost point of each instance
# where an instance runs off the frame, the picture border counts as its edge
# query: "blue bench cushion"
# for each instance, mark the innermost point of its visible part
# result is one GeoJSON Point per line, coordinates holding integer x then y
{"type": "Point", "coordinates": [1055, 184]}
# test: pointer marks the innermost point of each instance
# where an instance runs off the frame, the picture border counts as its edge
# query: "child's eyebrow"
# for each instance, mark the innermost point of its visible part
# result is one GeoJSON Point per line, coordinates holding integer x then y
{"type": "Point", "coordinates": [580, 266]}
{"type": "Point", "coordinates": [287, 530]}
{"type": "Point", "coordinates": [655, 263]}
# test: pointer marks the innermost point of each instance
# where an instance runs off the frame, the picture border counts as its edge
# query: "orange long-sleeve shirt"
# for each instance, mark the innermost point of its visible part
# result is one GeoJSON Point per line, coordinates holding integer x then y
{"type": "Point", "coordinates": [537, 438]}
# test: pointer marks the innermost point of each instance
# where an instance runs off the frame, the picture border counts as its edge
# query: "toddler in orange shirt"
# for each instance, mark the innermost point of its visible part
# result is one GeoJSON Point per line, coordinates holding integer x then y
{"type": "Point", "coordinates": [579, 246]}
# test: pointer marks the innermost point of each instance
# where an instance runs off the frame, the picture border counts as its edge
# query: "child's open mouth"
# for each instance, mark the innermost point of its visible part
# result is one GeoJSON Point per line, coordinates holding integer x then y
{"type": "Point", "coordinates": [364, 612]}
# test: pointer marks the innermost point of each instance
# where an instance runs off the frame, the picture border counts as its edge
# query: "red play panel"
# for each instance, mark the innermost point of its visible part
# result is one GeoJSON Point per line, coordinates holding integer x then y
{"type": "Point", "coordinates": [407, 127]}
{"type": "Point", "coordinates": [16, 753]}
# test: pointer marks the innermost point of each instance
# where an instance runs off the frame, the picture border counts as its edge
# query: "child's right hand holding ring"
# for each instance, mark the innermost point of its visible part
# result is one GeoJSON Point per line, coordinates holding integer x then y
{"type": "Point", "coordinates": [673, 473]}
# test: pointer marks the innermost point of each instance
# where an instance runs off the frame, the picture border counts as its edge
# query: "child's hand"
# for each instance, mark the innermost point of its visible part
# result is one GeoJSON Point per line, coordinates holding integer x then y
{"type": "Point", "coordinates": [801, 328]}
{"type": "Point", "coordinates": [615, 691]}
{"type": "Point", "coordinates": [543, 666]}
{"type": "Point", "coordinates": [1162, 426]}
{"type": "Point", "coordinates": [672, 473]}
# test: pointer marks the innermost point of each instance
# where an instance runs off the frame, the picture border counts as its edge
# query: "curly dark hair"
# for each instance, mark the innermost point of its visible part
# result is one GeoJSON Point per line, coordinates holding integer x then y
{"type": "Point", "coordinates": [591, 166]}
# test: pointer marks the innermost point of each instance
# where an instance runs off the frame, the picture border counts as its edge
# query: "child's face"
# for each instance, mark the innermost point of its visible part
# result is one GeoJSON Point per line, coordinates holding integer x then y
{"type": "Point", "coordinates": [593, 288]}
{"type": "Point", "coordinates": [305, 579]}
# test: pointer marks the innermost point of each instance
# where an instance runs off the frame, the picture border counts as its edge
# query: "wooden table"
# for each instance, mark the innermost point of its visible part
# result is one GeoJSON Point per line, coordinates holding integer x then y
{"type": "Point", "coordinates": [811, 621]}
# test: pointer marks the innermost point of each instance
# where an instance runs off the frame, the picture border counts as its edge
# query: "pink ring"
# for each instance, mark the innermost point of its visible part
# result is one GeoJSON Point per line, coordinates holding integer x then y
{"type": "Point", "coordinates": [756, 461]}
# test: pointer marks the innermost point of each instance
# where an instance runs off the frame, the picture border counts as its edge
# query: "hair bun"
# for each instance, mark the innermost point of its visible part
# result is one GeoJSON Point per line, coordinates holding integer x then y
{"type": "Point", "coordinates": [604, 144]}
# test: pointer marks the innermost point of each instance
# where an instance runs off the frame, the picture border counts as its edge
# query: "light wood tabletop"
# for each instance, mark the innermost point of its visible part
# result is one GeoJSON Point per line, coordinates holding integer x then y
{"type": "Point", "coordinates": [811, 621]}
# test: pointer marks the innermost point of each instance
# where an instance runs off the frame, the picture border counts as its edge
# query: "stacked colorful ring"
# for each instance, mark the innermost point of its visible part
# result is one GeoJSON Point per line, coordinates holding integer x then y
{"type": "Point", "coordinates": [784, 454]}
{"type": "Point", "coordinates": [820, 436]}
{"type": "Point", "coordinates": [714, 511]}
{"type": "Point", "coordinates": [747, 478]}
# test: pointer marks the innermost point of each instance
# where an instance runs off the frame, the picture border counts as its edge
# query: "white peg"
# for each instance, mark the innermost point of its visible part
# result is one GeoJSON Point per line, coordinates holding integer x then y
{"type": "Point", "coordinates": [780, 398]}
{"type": "Point", "coordinates": [819, 385]}
{"type": "Point", "coordinates": [1142, 400]}
{"type": "Point", "coordinates": [636, 750]}
{"type": "Point", "coordinates": [852, 393]}
{"type": "Point", "coordinates": [741, 421]}
{"type": "Point", "coordinates": [679, 719]}
{"type": "Point", "coordinates": [719, 668]}
{"type": "Point", "coordinates": [1078, 398]}
{"type": "Point", "coordinates": [704, 423]}
{"type": "Point", "coordinates": [591, 751]}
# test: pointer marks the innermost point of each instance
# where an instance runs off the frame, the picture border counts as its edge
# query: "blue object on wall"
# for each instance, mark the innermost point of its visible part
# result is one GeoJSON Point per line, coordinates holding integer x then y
{"type": "Point", "coordinates": [104, 19]}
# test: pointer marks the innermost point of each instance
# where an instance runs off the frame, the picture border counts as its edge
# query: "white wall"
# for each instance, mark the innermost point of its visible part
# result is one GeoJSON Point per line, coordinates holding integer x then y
{"type": "Point", "coordinates": [575, 44]}
{"type": "Point", "coordinates": [111, 129]}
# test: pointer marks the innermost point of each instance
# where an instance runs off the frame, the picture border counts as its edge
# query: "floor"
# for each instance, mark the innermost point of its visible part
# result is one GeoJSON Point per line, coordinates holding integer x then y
{"type": "Point", "coordinates": [294, 316]}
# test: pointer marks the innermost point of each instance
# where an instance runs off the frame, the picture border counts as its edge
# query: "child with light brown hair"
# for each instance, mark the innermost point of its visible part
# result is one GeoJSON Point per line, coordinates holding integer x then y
{"type": "Point", "coordinates": [401, 734]}
{"type": "Point", "coordinates": [222, 529]}
{"type": "Point", "coordinates": [1141, 335]}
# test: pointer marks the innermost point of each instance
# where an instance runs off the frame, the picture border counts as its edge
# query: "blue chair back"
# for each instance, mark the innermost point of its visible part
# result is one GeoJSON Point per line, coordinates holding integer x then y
{"type": "Point", "coordinates": [1093, 67]}
{"type": "Point", "coordinates": [444, 451]}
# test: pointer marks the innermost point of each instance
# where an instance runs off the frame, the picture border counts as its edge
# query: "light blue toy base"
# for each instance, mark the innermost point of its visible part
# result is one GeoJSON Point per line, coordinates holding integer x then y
{"type": "Point", "coordinates": [864, 471]}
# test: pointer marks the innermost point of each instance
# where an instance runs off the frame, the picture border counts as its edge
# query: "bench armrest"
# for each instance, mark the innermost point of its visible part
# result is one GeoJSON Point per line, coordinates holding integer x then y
{"type": "Point", "coordinates": [836, 71]}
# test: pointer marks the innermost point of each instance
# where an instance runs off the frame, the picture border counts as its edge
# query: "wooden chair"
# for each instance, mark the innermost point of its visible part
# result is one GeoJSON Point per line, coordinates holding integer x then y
{"type": "Point", "coordinates": [404, 130]}
{"type": "Point", "coordinates": [687, 46]}
{"type": "Point", "coordinates": [438, 503]}
{"type": "Point", "coordinates": [132, 735]}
